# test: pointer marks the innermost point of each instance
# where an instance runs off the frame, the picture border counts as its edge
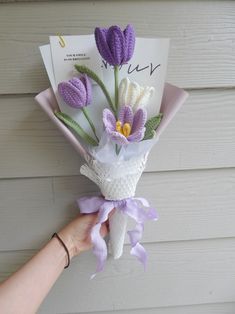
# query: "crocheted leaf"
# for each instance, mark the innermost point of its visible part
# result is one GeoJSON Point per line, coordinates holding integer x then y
{"type": "Point", "coordinates": [75, 127]}
{"type": "Point", "coordinates": [151, 126]}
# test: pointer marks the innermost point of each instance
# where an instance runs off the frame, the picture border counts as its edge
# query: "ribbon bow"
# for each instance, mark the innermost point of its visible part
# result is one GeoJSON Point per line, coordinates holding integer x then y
{"type": "Point", "coordinates": [136, 208]}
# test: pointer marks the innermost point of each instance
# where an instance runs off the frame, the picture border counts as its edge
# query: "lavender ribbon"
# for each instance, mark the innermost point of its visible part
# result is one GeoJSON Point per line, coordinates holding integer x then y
{"type": "Point", "coordinates": [136, 208]}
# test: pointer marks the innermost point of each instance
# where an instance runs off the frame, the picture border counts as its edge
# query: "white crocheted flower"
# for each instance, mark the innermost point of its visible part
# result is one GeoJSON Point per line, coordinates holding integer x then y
{"type": "Point", "coordinates": [134, 95]}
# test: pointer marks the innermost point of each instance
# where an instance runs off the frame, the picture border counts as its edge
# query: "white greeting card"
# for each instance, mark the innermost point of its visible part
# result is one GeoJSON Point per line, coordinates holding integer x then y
{"type": "Point", "coordinates": [66, 51]}
{"type": "Point", "coordinates": [147, 67]}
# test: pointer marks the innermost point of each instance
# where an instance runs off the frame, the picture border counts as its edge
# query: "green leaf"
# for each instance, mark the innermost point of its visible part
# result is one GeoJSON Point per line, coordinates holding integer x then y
{"type": "Point", "coordinates": [151, 125]}
{"type": "Point", "coordinates": [76, 127]}
{"type": "Point", "coordinates": [85, 70]}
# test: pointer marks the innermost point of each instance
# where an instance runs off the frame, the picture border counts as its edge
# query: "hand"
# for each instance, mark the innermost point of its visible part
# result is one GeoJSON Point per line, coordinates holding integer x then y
{"type": "Point", "coordinates": [76, 235]}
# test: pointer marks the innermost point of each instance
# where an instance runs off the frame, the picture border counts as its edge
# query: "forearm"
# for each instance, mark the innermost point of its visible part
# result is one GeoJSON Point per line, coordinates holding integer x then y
{"type": "Point", "coordinates": [24, 291]}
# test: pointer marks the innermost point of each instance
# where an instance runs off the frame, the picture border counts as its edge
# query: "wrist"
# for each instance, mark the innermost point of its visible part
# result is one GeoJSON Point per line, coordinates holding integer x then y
{"type": "Point", "coordinates": [69, 243]}
{"type": "Point", "coordinates": [59, 252]}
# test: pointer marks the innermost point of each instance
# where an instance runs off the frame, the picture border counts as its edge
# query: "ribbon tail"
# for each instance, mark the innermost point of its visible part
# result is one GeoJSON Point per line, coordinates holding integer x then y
{"type": "Point", "coordinates": [150, 213]}
{"type": "Point", "coordinates": [99, 244]}
{"type": "Point", "coordinates": [99, 248]}
{"type": "Point", "coordinates": [137, 249]}
{"type": "Point", "coordinates": [140, 253]}
{"type": "Point", "coordinates": [139, 210]}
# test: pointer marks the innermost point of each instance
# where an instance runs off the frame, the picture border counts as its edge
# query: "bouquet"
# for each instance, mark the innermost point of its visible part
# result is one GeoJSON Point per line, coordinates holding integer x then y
{"type": "Point", "coordinates": [116, 153]}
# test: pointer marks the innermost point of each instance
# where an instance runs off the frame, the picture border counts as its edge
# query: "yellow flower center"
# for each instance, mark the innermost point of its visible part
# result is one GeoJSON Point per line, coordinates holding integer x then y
{"type": "Point", "coordinates": [124, 129]}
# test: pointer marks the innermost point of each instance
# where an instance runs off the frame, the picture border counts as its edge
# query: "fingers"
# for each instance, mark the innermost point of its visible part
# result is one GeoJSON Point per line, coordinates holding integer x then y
{"type": "Point", "coordinates": [89, 218]}
{"type": "Point", "coordinates": [93, 219]}
{"type": "Point", "coordinates": [111, 213]}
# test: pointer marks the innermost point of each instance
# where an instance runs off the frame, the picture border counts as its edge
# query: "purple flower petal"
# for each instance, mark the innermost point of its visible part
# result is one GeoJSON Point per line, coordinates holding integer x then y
{"type": "Point", "coordinates": [129, 35]}
{"type": "Point", "coordinates": [116, 42]}
{"type": "Point", "coordinates": [139, 120]}
{"type": "Point", "coordinates": [137, 136]}
{"type": "Point", "coordinates": [73, 93]}
{"type": "Point", "coordinates": [117, 137]}
{"type": "Point", "coordinates": [126, 115]}
{"type": "Point", "coordinates": [76, 82]}
{"type": "Point", "coordinates": [114, 45]}
{"type": "Point", "coordinates": [109, 120]}
{"type": "Point", "coordinates": [102, 45]}
{"type": "Point", "coordinates": [87, 84]}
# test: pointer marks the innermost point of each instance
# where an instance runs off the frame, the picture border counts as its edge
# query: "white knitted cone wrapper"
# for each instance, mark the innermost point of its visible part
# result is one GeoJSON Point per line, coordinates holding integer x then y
{"type": "Point", "coordinates": [117, 181]}
{"type": "Point", "coordinates": [117, 225]}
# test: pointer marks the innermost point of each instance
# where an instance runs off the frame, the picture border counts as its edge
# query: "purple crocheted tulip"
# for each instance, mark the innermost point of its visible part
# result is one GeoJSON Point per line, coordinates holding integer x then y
{"type": "Point", "coordinates": [115, 46]}
{"type": "Point", "coordinates": [76, 92]}
{"type": "Point", "coordinates": [128, 128]}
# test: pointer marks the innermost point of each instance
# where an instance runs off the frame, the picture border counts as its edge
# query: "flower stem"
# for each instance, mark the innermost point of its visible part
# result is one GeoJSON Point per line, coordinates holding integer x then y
{"type": "Point", "coordinates": [90, 122]}
{"type": "Point", "coordinates": [116, 71]}
{"type": "Point", "coordinates": [117, 148]}
{"type": "Point", "coordinates": [85, 70]}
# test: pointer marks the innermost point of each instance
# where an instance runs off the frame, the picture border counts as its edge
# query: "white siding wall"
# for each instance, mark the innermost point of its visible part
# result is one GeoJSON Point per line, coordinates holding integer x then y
{"type": "Point", "coordinates": [190, 176]}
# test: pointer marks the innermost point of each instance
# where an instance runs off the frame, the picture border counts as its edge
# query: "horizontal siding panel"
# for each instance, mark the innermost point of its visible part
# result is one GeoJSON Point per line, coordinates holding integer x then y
{"type": "Point", "coordinates": [202, 32]}
{"type": "Point", "coordinates": [178, 273]}
{"type": "Point", "coordinates": [191, 205]}
{"type": "Point", "coordinates": [202, 135]}
{"type": "Point", "coordinates": [215, 308]}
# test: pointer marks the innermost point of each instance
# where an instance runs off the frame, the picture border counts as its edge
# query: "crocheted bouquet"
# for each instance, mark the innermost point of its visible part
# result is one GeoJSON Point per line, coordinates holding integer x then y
{"type": "Point", "coordinates": [116, 159]}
